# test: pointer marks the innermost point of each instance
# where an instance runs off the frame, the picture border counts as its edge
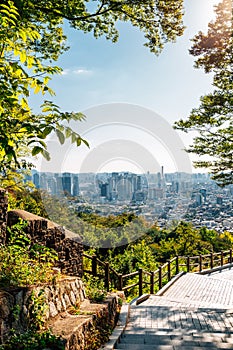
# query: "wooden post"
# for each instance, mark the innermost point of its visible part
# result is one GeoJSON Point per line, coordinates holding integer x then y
{"type": "Point", "coordinates": [94, 265]}
{"type": "Point", "coordinates": [120, 282]}
{"type": "Point", "coordinates": [200, 263]}
{"type": "Point", "coordinates": [230, 259]}
{"type": "Point", "coordinates": [221, 257]}
{"type": "Point", "coordinates": [107, 276]}
{"type": "Point", "coordinates": [177, 265]}
{"type": "Point", "coordinates": [188, 263]}
{"type": "Point", "coordinates": [152, 281]}
{"type": "Point", "coordinates": [140, 271]}
{"type": "Point", "coordinates": [211, 260]}
{"type": "Point", "coordinates": [160, 277]}
{"type": "Point", "coordinates": [169, 270]}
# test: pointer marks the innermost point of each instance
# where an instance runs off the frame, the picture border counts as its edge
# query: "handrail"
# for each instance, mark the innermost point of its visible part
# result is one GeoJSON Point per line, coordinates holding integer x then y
{"type": "Point", "coordinates": [155, 280]}
{"type": "Point", "coordinates": [132, 274]}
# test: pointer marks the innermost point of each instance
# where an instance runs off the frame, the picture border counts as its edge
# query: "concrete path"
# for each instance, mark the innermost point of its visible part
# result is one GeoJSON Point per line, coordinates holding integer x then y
{"type": "Point", "coordinates": [195, 313]}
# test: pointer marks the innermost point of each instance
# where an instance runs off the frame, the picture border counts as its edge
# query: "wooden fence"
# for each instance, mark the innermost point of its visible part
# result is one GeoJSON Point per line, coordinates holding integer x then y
{"type": "Point", "coordinates": [152, 281]}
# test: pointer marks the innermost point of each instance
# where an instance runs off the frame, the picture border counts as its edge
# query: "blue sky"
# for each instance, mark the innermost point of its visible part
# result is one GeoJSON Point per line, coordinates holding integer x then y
{"type": "Point", "coordinates": [99, 72]}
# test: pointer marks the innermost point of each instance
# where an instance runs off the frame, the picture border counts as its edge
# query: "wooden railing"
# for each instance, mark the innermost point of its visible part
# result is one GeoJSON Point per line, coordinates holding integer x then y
{"type": "Point", "coordinates": [153, 281]}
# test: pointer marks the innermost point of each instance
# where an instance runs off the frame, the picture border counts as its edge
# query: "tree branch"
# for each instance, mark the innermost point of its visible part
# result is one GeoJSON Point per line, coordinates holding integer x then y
{"type": "Point", "coordinates": [79, 18]}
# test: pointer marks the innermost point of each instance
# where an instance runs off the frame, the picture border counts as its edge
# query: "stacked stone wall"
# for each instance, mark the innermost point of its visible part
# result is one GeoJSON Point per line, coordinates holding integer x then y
{"type": "Point", "coordinates": [92, 331]}
{"type": "Point", "coordinates": [17, 304]}
{"type": "Point", "coordinates": [81, 331]}
{"type": "Point", "coordinates": [67, 244]}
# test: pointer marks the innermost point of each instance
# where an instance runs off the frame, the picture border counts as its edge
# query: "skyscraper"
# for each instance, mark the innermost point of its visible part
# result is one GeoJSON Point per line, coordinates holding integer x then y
{"type": "Point", "coordinates": [66, 183]}
{"type": "Point", "coordinates": [75, 186]}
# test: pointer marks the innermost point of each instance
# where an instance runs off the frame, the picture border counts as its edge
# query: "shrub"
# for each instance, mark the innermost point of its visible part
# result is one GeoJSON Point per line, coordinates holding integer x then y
{"type": "Point", "coordinates": [95, 289]}
{"type": "Point", "coordinates": [23, 264]}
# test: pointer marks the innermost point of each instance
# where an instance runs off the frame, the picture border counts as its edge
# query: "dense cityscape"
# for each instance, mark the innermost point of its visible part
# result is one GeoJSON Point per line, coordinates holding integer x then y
{"type": "Point", "coordinates": [161, 197]}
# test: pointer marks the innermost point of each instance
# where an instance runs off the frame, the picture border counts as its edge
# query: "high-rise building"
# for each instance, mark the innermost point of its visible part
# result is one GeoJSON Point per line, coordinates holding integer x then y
{"type": "Point", "coordinates": [104, 190]}
{"type": "Point", "coordinates": [219, 200]}
{"type": "Point", "coordinates": [203, 192]}
{"type": "Point", "coordinates": [199, 199]}
{"type": "Point", "coordinates": [44, 181]}
{"type": "Point", "coordinates": [52, 185]}
{"type": "Point", "coordinates": [36, 180]}
{"type": "Point", "coordinates": [75, 187]}
{"type": "Point", "coordinates": [66, 183]}
{"type": "Point", "coordinates": [124, 189]}
{"type": "Point", "coordinates": [139, 183]}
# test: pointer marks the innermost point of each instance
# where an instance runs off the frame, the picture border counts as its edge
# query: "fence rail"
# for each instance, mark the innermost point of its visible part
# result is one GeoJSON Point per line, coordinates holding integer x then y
{"type": "Point", "coordinates": [154, 280]}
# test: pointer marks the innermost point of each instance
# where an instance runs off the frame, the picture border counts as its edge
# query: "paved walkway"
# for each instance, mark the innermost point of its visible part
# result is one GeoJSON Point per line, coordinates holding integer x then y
{"type": "Point", "coordinates": [196, 312]}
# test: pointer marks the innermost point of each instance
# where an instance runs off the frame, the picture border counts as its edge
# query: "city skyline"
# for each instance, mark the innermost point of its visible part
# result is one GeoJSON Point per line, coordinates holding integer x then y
{"type": "Point", "coordinates": [161, 197]}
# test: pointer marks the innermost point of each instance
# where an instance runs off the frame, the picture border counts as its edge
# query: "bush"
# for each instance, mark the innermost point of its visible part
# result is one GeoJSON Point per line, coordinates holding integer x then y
{"type": "Point", "coordinates": [95, 289]}
{"type": "Point", "coordinates": [31, 340]}
{"type": "Point", "coordinates": [23, 264]}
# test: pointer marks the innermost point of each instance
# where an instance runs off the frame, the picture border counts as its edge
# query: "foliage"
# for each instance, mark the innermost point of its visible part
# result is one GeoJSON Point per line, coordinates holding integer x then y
{"type": "Point", "coordinates": [159, 21]}
{"type": "Point", "coordinates": [24, 68]}
{"type": "Point", "coordinates": [110, 221]}
{"type": "Point", "coordinates": [24, 264]}
{"type": "Point", "coordinates": [213, 118]}
{"type": "Point", "coordinates": [94, 288]}
{"type": "Point", "coordinates": [32, 340]}
{"type": "Point", "coordinates": [38, 309]}
{"type": "Point", "coordinates": [185, 240]}
{"type": "Point", "coordinates": [27, 199]}
{"type": "Point", "coordinates": [132, 257]}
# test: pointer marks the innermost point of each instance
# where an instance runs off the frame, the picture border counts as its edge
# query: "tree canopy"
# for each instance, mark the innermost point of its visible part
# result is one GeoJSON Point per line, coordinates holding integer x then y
{"type": "Point", "coordinates": [213, 119]}
{"type": "Point", "coordinates": [32, 39]}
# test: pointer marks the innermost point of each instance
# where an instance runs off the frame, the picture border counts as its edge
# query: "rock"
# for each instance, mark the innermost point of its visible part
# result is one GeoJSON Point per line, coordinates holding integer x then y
{"type": "Point", "coordinates": [52, 309]}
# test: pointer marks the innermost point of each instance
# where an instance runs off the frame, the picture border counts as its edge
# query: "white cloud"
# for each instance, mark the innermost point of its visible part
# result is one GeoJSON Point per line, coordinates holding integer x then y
{"type": "Point", "coordinates": [76, 71]}
{"type": "Point", "coordinates": [82, 71]}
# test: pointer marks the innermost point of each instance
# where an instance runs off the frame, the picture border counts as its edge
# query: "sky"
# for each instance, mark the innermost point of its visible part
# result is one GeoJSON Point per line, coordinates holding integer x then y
{"type": "Point", "coordinates": [106, 81]}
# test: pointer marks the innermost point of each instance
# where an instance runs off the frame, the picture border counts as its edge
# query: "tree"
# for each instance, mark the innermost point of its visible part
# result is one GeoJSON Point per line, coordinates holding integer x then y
{"type": "Point", "coordinates": [23, 68]}
{"type": "Point", "coordinates": [32, 39]}
{"type": "Point", "coordinates": [213, 118]}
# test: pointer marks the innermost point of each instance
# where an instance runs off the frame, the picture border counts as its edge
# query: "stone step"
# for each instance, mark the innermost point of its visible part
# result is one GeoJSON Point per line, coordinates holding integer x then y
{"type": "Point", "coordinates": [164, 338]}
{"type": "Point", "coordinates": [179, 331]}
{"type": "Point", "coordinates": [175, 341]}
{"type": "Point", "coordinates": [144, 347]}
{"type": "Point", "coordinates": [168, 304]}
{"type": "Point", "coordinates": [125, 346]}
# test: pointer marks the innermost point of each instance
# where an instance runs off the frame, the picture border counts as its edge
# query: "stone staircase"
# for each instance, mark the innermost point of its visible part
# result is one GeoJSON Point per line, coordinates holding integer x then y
{"type": "Point", "coordinates": [195, 313]}
{"type": "Point", "coordinates": [168, 339]}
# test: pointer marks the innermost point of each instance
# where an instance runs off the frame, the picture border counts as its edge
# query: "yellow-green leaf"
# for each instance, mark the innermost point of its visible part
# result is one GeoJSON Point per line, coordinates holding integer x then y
{"type": "Point", "coordinates": [23, 35]}
{"type": "Point", "coordinates": [23, 56]}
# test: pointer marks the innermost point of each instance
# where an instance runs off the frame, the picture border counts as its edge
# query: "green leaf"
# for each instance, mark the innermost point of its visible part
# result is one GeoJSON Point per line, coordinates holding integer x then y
{"type": "Point", "coordinates": [46, 154]}
{"type": "Point", "coordinates": [86, 143]}
{"type": "Point", "coordinates": [73, 137]}
{"type": "Point", "coordinates": [36, 150]}
{"type": "Point", "coordinates": [68, 132]}
{"type": "Point", "coordinates": [79, 141]}
{"type": "Point", "coordinates": [46, 132]}
{"type": "Point", "coordinates": [60, 136]}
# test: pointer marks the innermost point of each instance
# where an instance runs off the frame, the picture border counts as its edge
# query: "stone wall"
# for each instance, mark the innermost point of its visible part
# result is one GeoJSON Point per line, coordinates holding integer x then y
{"type": "Point", "coordinates": [66, 243]}
{"type": "Point", "coordinates": [91, 328]}
{"type": "Point", "coordinates": [3, 215]}
{"type": "Point", "coordinates": [82, 325]}
{"type": "Point", "coordinates": [18, 305]}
